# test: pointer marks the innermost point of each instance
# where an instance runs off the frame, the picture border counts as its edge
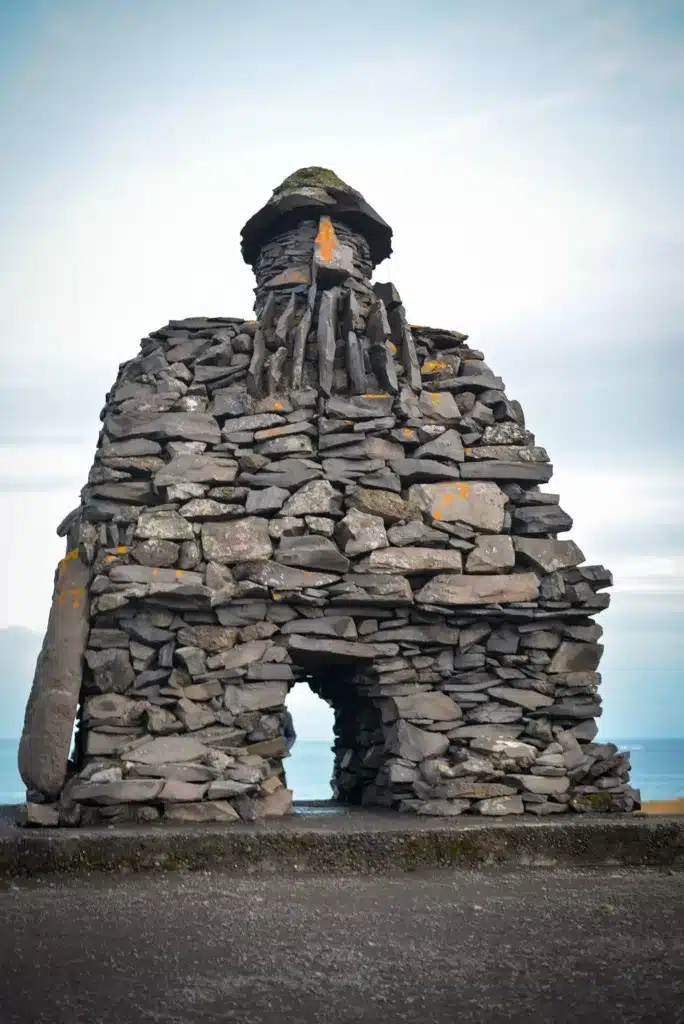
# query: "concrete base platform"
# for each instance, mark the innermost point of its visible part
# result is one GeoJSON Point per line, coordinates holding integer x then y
{"type": "Point", "coordinates": [326, 838]}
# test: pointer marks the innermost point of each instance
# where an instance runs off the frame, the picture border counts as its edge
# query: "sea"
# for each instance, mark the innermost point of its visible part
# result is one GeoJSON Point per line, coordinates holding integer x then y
{"type": "Point", "coordinates": [657, 769]}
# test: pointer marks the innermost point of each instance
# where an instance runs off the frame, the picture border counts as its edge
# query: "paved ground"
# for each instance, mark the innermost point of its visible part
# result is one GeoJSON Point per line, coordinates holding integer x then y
{"type": "Point", "coordinates": [487, 946]}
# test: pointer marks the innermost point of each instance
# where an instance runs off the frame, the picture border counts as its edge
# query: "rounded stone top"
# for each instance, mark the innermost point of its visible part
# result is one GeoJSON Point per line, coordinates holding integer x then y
{"type": "Point", "coordinates": [312, 192]}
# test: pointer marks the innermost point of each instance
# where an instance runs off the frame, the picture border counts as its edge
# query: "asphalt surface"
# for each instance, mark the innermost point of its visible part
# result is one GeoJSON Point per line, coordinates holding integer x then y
{"type": "Point", "coordinates": [487, 946]}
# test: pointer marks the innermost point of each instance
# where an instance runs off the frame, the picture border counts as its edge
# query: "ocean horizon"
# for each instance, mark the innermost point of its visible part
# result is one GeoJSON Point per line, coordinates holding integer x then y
{"type": "Point", "coordinates": [657, 768]}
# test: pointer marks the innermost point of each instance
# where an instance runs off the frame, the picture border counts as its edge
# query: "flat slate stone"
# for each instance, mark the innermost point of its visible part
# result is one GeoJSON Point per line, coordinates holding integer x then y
{"type": "Point", "coordinates": [547, 555]}
{"type": "Point", "coordinates": [360, 407]}
{"type": "Point", "coordinates": [166, 426]}
{"type": "Point", "coordinates": [413, 470]}
{"type": "Point", "coordinates": [311, 552]}
{"type": "Point", "coordinates": [456, 590]}
{"type": "Point", "coordinates": [281, 577]}
{"type": "Point", "coordinates": [491, 554]}
{"type": "Point", "coordinates": [165, 525]}
{"type": "Point", "coordinates": [479, 503]}
{"type": "Point", "coordinates": [241, 540]}
{"type": "Point", "coordinates": [523, 472]}
{"type": "Point", "coordinates": [201, 469]}
{"type": "Point", "coordinates": [412, 560]}
{"type": "Point", "coordinates": [308, 649]}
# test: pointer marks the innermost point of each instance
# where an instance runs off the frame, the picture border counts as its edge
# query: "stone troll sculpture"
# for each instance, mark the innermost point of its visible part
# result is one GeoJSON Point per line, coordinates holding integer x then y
{"type": "Point", "coordinates": [325, 494]}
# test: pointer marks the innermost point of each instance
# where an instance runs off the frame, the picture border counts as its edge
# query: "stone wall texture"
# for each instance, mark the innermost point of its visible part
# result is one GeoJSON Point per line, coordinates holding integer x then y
{"type": "Point", "coordinates": [324, 494]}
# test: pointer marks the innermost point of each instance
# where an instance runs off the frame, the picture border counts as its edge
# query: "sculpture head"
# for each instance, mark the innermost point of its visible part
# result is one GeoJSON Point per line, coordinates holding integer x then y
{"type": "Point", "coordinates": [310, 193]}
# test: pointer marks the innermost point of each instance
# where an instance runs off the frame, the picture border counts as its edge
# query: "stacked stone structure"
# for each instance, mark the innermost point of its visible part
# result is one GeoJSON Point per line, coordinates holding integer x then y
{"type": "Point", "coordinates": [326, 494]}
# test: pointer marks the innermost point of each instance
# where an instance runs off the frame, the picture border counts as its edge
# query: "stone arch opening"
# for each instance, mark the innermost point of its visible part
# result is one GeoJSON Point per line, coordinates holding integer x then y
{"type": "Point", "coordinates": [308, 770]}
{"type": "Point", "coordinates": [357, 736]}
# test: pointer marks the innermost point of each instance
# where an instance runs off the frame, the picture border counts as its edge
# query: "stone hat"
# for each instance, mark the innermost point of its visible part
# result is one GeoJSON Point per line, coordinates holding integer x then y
{"type": "Point", "coordinates": [311, 192]}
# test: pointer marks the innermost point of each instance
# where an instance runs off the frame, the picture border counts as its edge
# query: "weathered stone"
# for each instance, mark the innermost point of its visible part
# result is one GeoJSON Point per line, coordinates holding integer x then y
{"type": "Point", "coordinates": [500, 806]}
{"type": "Point", "coordinates": [166, 525]}
{"type": "Point", "coordinates": [491, 554]}
{"type": "Point", "coordinates": [342, 627]}
{"type": "Point", "coordinates": [112, 670]}
{"type": "Point", "coordinates": [255, 696]}
{"type": "Point", "coordinates": [266, 501]}
{"type": "Point", "coordinates": [547, 555]}
{"type": "Point", "coordinates": [412, 470]}
{"type": "Point", "coordinates": [359, 533]}
{"type": "Point", "coordinates": [311, 552]}
{"type": "Point", "coordinates": [540, 519]}
{"type": "Point", "coordinates": [412, 560]}
{"type": "Point", "coordinates": [447, 446]}
{"type": "Point", "coordinates": [530, 700]}
{"type": "Point", "coordinates": [39, 815]}
{"type": "Point", "coordinates": [414, 744]}
{"type": "Point", "coordinates": [51, 709]}
{"type": "Point", "coordinates": [318, 497]}
{"type": "Point", "coordinates": [456, 590]}
{"type": "Point", "coordinates": [576, 657]}
{"type": "Point", "coordinates": [129, 791]}
{"type": "Point", "coordinates": [161, 553]}
{"type": "Point", "coordinates": [440, 406]}
{"type": "Point", "coordinates": [165, 750]}
{"type": "Point", "coordinates": [237, 541]}
{"type": "Point", "coordinates": [166, 426]}
{"type": "Point", "coordinates": [113, 709]}
{"type": "Point", "coordinates": [305, 650]}
{"type": "Point", "coordinates": [202, 469]}
{"type": "Point", "coordinates": [359, 407]}
{"type": "Point", "coordinates": [208, 810]}
{"type": "Point", "coordinates": [478, 504]}
{"type": "Point", "coordinates": [527, 472]}
{"type": "Point", "coordinates": [390, 507]}
{"type": "Point", "coordinates": [543, 784]}
{"type": "Point", "coordinates": [282, 577]}
{"type": "Point", "coordinates": [427, 705]}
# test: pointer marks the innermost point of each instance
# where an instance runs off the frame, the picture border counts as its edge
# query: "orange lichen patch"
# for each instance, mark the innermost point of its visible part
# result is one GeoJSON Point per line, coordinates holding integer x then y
{"type": "Point", "coordinates": [155, 572]}
{"type": "Point", "coordinates": [674, 806]}
{"type": "Point", "coordinates": [467, 451]}
{"type": "Point", "coordinates": [277, 405]}
{"type": "Point", "coordinates": [179, 572]}
{"type": "Point", "coordinates": [378, 394]}
{"type": "Point", "coordinates": [75, 604]}
{"type": "Point", "coordinates": [110, 558]}
{"type": "Point", "coordinates": [275, 595]}
{"type": "Point", "coordinates": [326, 240]}
{"type": "Point", "coordinates": [250, 321]}
{"type": "Point", "coordinates": [433, 365]}
{"type": "Point", "coordinates": [392, 347]}
{"type": "Point", "coordinates": [122, 549]}
{"type": "Point", "coordinates": [447, 497]}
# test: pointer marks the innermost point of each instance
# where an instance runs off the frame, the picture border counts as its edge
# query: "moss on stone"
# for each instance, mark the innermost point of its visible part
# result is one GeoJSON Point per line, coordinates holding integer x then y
{"type": "Point", "coordinates": [312, 177]}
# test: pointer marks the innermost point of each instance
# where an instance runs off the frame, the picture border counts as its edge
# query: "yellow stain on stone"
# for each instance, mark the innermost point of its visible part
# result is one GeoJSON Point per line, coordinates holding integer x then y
{"type": "Point", "coordinates": [392, 347]}
{"type": "Point", "coordinates": [467, 451]}
{"type": "Point", "coordinates": [433, 365]}
{"type": "Point", "coordinates": [326, 240]}
{"type": "Point", "coordinates": [447, 496]}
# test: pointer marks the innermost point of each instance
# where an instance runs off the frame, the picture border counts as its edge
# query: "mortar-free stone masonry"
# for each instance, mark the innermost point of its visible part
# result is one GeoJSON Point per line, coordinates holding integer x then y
{"type": "Point", "coordinates": [325, 494]}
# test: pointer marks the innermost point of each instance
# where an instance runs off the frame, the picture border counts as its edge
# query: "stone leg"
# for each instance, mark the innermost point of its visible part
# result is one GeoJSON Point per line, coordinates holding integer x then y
{"type": "Point", "coordinates": [52, 706]}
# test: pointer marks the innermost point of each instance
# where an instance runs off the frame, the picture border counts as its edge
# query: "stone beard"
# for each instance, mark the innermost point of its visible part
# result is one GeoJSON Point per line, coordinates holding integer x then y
{"type": "Point", "coordinates": [327, 494]}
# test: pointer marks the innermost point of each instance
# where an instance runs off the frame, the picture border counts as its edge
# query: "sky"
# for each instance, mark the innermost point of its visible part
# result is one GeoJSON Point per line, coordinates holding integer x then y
{"type": "Point", "coordinates": [528, 156]}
